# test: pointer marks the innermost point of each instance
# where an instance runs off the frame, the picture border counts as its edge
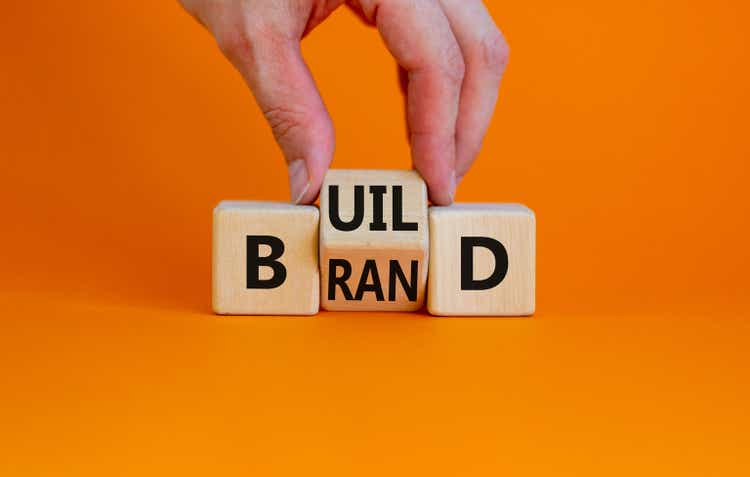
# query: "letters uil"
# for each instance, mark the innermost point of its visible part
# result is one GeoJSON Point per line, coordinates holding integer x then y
{"type": "Point", "coordinates": [373, 240]}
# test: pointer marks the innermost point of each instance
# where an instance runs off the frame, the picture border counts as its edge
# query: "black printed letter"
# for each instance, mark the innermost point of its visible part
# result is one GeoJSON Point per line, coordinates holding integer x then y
{"type": "Point", "coordinates": [255, 261]}
{"type": "Point", "coordinates": [467, 263]}
{"type": "Point", "coordinates": [377, 192]}
{"type": "Point", "coordinates": [370, 268]}
{"type": "Point", "coordinates": [398, 211]}
{"type": "Point", "coordinates": [333, 208]}
{"type": "Point", "coordinates": [334, 280]}
{"type": "Point", "coordinates": [410, 288]}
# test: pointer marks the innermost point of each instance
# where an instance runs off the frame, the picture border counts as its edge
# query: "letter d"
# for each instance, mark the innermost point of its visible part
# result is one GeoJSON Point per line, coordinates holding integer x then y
{"type": "Point", "coordinates": [467, 263]}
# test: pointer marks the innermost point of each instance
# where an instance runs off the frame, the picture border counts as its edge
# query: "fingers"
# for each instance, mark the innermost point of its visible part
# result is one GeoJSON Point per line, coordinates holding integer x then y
{"type": "Point", "coordinates": [418, 35]}
{"type": "Point", "coordinates": [485, 54]}
{"type": "Point", "coordinates": [451, 51]}
{"type": "Point", "coordinates": [291, 103]}
{"type": "Point", "coordinates": [262, 41]}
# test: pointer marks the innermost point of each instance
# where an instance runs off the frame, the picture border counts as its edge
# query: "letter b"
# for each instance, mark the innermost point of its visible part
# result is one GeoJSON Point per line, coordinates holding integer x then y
{"type": "Point", "coordinates": [255, 261]}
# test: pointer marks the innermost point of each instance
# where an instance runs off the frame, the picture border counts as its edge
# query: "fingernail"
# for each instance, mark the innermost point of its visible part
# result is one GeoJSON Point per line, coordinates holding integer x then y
{"type": "Point", "coordinates": [453, 187]}
{"type": "Point", "coordinates": [299, 181]}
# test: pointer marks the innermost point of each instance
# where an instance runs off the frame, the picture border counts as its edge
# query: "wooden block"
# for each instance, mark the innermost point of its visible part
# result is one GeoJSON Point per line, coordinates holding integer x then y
{"type": "Point", "coordinates": [265, 259]}
{"type": "Point", "coordinates": [373, 240]}
{"type": "Point", "coordinates": [482, 260]}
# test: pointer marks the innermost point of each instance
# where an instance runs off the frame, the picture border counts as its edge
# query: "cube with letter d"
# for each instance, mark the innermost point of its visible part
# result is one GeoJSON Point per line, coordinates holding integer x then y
{"type": "Point", "coordinates": [265, 259]}
{"type": "Point", "coordinates": [482, 260]}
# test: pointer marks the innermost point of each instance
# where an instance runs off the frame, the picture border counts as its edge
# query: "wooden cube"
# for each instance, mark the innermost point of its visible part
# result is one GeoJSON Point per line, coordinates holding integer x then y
{"type": "Point", "coordinates": [265, 259]}
{"type": "Point", "coordinates": [482, 260]}
{"type": "Point", "coordinates": [373, 240]}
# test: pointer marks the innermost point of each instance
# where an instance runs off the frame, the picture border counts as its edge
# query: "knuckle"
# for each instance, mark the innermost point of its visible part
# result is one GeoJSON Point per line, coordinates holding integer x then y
{"type": "Point", "coordinates": [235, 42]}
{"type": "Point", "coordinates": [493, 52]}
{"type": "Point", "coordinates": [453, 65]}
{"type": "Point", "coordinates": [245, 40]}
{"type": "Point", "coordinates": [285, 121]}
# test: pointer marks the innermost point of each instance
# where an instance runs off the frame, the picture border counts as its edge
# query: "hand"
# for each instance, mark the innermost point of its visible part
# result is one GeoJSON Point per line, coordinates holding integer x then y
{"type": "Point", "coordinates": [451, 53]}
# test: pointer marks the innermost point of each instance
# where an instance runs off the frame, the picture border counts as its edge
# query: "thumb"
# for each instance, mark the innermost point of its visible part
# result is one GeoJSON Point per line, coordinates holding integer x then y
{"type": "Point", "coordinates": [272, 65]}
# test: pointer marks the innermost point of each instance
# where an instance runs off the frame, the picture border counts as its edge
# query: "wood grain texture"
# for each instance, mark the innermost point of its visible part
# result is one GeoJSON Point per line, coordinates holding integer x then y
{"type": "Point", "coordinates": [294, 225]}
{"type": "Point", "coordinates": [514, 226]}
{"type": "Point", "coordinates": [385, 247]}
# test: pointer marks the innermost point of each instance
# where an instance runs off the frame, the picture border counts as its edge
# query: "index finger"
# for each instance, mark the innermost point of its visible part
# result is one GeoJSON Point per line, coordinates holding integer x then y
{"type": "Point", "coordinates": [418, 35]}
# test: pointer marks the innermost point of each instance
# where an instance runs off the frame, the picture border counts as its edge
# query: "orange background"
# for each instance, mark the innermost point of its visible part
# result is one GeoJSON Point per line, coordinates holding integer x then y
{"type": "Point", "coordinates": [623, 125]}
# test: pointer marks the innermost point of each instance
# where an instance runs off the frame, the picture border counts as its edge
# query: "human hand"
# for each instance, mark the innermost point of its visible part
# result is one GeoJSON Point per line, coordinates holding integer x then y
{"type": "Point", "coordinates": [451, 54]}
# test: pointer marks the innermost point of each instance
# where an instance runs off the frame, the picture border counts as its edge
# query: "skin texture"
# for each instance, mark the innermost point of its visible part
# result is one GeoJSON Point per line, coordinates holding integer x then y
{"type": "Point", "coordinates": [450, 53]}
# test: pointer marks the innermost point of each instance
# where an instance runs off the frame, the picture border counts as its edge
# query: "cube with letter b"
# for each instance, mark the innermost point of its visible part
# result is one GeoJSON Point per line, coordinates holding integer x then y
{"type": "Point", "coordinates": [482, 260]}
{"type": "Point", "coordinates": [265, 259]}
{"type": "Point", "coordinates": [373, 240]}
